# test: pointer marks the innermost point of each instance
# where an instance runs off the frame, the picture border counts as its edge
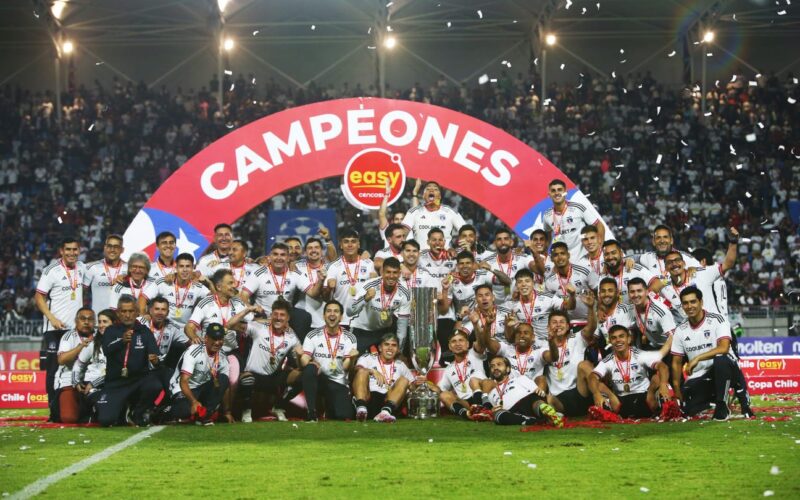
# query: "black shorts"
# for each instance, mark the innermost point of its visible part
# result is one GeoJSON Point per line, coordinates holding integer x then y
{"type": "Point", "coordinates": [270, 383]}
{"type": "Point", "coordinates": [375, 403]}
{"type": "Point", "coordinates": [575, 405]}
{"type": "Point", "coordinates": [634, 406]}
{"type": "Point", "coordinates": [525, 405]}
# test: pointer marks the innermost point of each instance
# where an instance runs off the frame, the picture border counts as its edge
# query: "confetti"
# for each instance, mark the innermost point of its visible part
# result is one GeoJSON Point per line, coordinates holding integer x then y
{"type": "Point", "coordinates": [313, 27]}
{"type": "Point", "coordinates": [507, 453]}
{"type": "Point", "coordinates": [493, 80]}
{"type": "Point", "coordinates": [739, 166]}
{"type": "Point", "coordinates": [430, 440]}
{"type": "Point", "coordinates": [480, 14]}
{"type": "Point", "coordinates": [644, 489]}
{"type": "Point", "coordinates": [23, 448]}
{"type": "Point", "coordinates": [228, 72]}
{"type": "Point", "coordinates": [583, 11]}
{"type": "Point", "coordinates": [87, 441]}
{"type": "Point", "coordinates": [91, 127]}
{"type": "Point", "coordinates": [769, 493]}
{"type": "Point", "coordinates": [709, 54]}
{"type": "Point", "coordinates": [449, 24]}
{"type": "Point", "coordinates": [564, 65]}
{"type": "Point", "coordinates": [781, 12]}
{"type": "Point", "coordinates": [658, 110]}
{"type": "Point", "coordinates": [774, 470]}
{"type": "Point", "coordinates": [621, 51]}
{"type": "Point", "coordinates": [733, 78]}
{"type": "Point", "coordinates": [707, 114]}
{"type": "Point", "coordinates": [655, 178]}
{"type": "Point", "coordinates": [255, 32]}
{"type": "Point", "coordinates": [70, 443]}
{"type": "Point", "coordinates": [750, 137]}
{"type": "Point", "coordinates": [760, 125]}
{"type": "Point", "coordinates": [747, 193]}
{"type": "Point", "coordinates": [672, 54]}
{"type": "Point", "coordinates": [531, 466]}
{"type": "Point", "coordinates": [658, 160]}
{"type": "Point", "coordinates": [483, 79]}
{"type": "Point", "coordinates": [569, 4]}
{"type": "Point", "coordinates": [752, 83]}
{"type": "Point", "coordinates": [791, 100]}
{"type": "Point", "coordinates": [99, 63]}
{"type": "Point", "coordinates": [41, 440]}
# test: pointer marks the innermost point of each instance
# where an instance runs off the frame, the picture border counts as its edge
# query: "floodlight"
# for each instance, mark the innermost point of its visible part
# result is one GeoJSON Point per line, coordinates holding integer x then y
{"type": "Point", "coordinates": [708, 36]}
{"type": "Point", "coordinates": [68, 47]}
{"type": "Point", "coordinates": [550, 39]}
{"type": "Point", "coordinates": [228, 44]}
{"type": "Point", "coordinates": [390, 42]}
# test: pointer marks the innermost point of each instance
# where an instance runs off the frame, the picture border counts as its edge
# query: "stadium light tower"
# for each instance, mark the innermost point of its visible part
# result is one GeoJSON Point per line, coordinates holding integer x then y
{"type": "Point", "coordinates": [549, 41]}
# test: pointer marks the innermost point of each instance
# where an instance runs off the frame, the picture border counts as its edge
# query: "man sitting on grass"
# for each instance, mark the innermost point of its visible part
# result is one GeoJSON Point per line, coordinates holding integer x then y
{"type": "Point", "coordinates": [515, 399]}
{"type": "Point", "coordinates": [381, 381]}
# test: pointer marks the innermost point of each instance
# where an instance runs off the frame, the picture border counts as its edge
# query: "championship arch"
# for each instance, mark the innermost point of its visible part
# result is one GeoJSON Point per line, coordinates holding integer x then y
{"type": "Point", "coordinates": [304, 144]}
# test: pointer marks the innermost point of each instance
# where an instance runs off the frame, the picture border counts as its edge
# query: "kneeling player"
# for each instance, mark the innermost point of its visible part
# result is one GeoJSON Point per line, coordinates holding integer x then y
{"type": "Point", "coordinates": [381, 381]}
{"type": "Point", "coordinates": [516, 400]}
{"type": "Point", "coordinates": [631, 394]}
{"type": "Point", "coordinates": [201, 379]}
{"type": "Point", "coordinates": [460, 386]}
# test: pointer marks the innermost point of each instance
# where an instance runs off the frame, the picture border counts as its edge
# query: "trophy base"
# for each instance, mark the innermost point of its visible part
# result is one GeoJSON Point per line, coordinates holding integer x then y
{"type": "Point", "coordinates": [423, 403]}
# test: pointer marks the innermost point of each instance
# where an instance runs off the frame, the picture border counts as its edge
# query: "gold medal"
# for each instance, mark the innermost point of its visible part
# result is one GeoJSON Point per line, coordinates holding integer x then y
{"type": "Point", "coordinates": [384, 315]}
{"type": "Point", "coordinates": [178, 312]}
{"type": "Point", "coordinates": [332, 366]}
{"type": "Point", "coordinates": [560, 375]}
{"type": "Point", "coordinates": [507, 290]}
{"type": "Point", "coordinates": [463, 387]}
{"type": "Point", "coordinates": [353, 291]}
{"type": "Point", "coordinates": [124, 372]}
{"type": "Point", "coordinates": [216, 381]}
{"type": "Point", "coordinates": [72, 296]}
{"type": "Point", "coordinates": [272, 362]}
{"type": "Point", "coordinates": [627, 387]}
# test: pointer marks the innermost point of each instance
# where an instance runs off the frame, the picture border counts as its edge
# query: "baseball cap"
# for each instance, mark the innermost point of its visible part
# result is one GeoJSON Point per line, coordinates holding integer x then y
{"type": "Point", "coordinates": [215, 331]}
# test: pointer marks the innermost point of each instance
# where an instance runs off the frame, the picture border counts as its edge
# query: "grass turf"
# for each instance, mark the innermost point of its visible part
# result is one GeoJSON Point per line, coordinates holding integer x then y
{"type": "Point", "coordinates": [347, 459]}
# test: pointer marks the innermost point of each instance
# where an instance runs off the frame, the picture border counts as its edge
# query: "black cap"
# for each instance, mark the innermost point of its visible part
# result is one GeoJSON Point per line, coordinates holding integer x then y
{"type": "Point", "coordinates": [215, 331]}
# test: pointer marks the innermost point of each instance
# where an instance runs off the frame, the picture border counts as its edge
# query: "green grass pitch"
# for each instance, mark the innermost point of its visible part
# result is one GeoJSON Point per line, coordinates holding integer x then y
{"type": "Point", "coordinates": [443, 458]}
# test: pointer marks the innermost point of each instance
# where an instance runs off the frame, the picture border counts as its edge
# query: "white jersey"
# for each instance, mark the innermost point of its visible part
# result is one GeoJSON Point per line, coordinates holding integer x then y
{"type": "Point", "coordinates": [437, 267]}
{"type": "Point", "coordinates": [538, 279]}
{"type": "Point", "coordinates": [330, 352]}
{"type": "Point", "coordinates": [631, 372]}
{"type": "Point", "coordinates": [90, 367]}
{"type": "Point", "coordinates": [583, 280]}
{"type": "Point", "coordinates": [562, 374]}
{"type": "Point", "coordinates": [462, 293]}
{"type": "Point", "coordinates": [419, 220]}
{"type": "Point", "coordinates": [200, 366]}
{"type": "Point", "coordinates": [313, 306]}
{"type": "Point", "coordinates": [348, 275]}
{"type": "Point", "coordinates": [69, 341]}
{"type": "Point", "coordinates": [501, 292]}
{"type": "Point", "coordinates": [100, 277]}
{"type": "Point", "coordinates": [62, 287]}
{"type": "Point", "coordinates": [536, 313]}
{"type": "Point", "coordinates": [159, 270]}
{"type": "Point", "coordinates": [386, 252]}
{"type": "Point", "coordinates": [376, 314]}
{"type": "Point", "coordinates": [392, 372]}
{"type": "Point", "coordinates": [691, 341]}
{"type": "Point", "coordinates": [164, 336]}
{"type": "Point", "coordinates": [595, 265]}
{"type": "Point", "coordinates": [210, 310]}
{"type": "Point", "coordinates": [146, 289]}
{"type": "Point", "coordinates": [655, 264]}
{"type": "Point", "coordinates": [511, 391]}
{"type": "Point", "coordinates": [208, 263]}
{"type": "Point", "coordinates": [621, 315]}
{"type": "Point", "coordinates": [457, 374]}
{"type": "Point", "coordinates": [182, 299]}
{"type": "Point", "coordinates": [268, 350]}
{"type": "Point", "coordinates": [529, 364]}
{"type": "Point", "coordinates": [240, 273]}
{"type": "Point", "coordinates": [704, 279]}
{"type": "Point", "coordinates": [497, 329]}
{"type": "Point", "coordinates": [266, 286]}
{"type": "Point", "coordinates": [566, 226]}
{"type": "Point", "coordinates": [655, 321]}
{"type": "Point", "coordinates": [624, 276]}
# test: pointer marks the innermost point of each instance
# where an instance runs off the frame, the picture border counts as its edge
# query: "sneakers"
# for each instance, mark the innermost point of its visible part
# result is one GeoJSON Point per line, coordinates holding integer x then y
{"type": "Point", "coordinates": [481, 414]}
{"type": "Point", "coordinates": [603, 415]}
{"type": "Point", "coordinates": [551, 415]}
{"type": "Point", "coordinates": [721, 412]}
{"type": "Point", "coordinates": [247, 416]}
{"type": "Point", "coordinates": [311, 417]}
{"type": "Point", "coordinates": [361, 413]}
{"type": "Point", "coordinates": [281, 414]}
{"type": "Point", "coordinates": [204, 423]}
{"type": "Point", "coordinates": [385, 416]}
{"type": "Point", "coordinates": [747, 412]}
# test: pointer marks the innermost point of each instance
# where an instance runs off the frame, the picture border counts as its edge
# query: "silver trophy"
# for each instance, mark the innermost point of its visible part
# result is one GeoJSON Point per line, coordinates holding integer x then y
{"type": "Point", "coordinates": [423, 402]}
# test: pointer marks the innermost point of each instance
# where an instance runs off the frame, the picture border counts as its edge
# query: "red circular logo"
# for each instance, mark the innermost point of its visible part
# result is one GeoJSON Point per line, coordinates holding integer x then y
{"type": "Point", "coordinates": [367, 176]}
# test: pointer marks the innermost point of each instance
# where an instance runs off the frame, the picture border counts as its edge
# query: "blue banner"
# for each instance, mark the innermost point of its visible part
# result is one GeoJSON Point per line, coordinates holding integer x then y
{"type": "Point", "coordinates": [769, 346]}
{"type": "Point", "coordinates": [303, 224]}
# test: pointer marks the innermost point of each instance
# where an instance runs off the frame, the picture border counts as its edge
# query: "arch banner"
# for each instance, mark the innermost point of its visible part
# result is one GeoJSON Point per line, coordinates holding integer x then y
{"type": "Point", "coordinates": [307, 143]}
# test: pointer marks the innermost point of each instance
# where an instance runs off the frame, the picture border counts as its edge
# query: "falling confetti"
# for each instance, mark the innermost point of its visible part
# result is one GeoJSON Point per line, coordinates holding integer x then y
{"type": "Point", "coordinates": [564, 65]}
{"type": "Point", "coordinates": [791, 100]}
{"type": "Point", "coordinates": [774, 470]}
{"type": "Point", "coordinates": [658, 160]}
{"type": "Point", "coordinates": [644, 489]}
{"type": "Point", "coordinates": [672, 54]}
{"type": "Point", "coordinates": [313, 27]}
{"type": "Point", "coordinates": [569, 4]}
{"type": "Point", "coordinates": [507, 453]}
{"type": "Point", "coordinates": [483, 79]}
{"type": "Point", "coordinates": [255, 32]}
{"type": "Point", "coordinates": [91, 127]}
{"type": "Point", "coordinates": [750, 137]}
{"type": "Point", "coordinates": [228, 72]}
{"type": "Point", "coordinates": [769, 493]}
{"type": "Point", "coordinates": [747, 193]}
{"type": "Point", "coordinates": [449, 24]}
{"type": "Point", "coordinates": [531, 466]}
{"type": "Point", "coordinates": [480, 14]}
{"type": "Point", "coordinates": [752, 83]}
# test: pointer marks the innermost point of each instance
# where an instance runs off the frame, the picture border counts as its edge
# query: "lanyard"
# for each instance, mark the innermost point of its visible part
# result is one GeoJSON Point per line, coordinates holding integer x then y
{"type": "Point", "coordinates": [133, 288]}
{"type": "Point", "coordinates": [563, 283]}
{"type": "Point", "coordinates": [333, 351]}
{"type": "Point", "coordinates": [462, 376]}
{"type": "Point", "coordinates": [528, 313]}
{"type": "Point", "coordinates": [72, 279]}
{"type": "Point", "coordinates": [224, 313]}
{"type": "Point", "coordinates": [390, 377]}
{"type": "Point", "coordinates": [386, 303]}
{"type": "Point", "coordinates": [522, 368]}
{"type": "Point", "coordinates": [352, 277]}
{"type": "Point", "coordinates": [164, 270]}
{"type": "Point", "coordinates": [626, 374]}
{"type": "Point", "coordinates": [501, 389]}
{"type": "Point", "coordinates": [238, 281]}
{"type": "Point", "coordinates": [643, 324]}
{"type": "Point", "coordinates": [562, 353]}
{"type": "Point", "coordinates": [113, 278]}
{"type": "Point", "coordinates": [493, 328]}
{"type": "Point", "coordinates": [279, 287]}
{"type": "Point", "coordinates": [178, 300]}
{"type": "Point", "coordinates": [510, 265]}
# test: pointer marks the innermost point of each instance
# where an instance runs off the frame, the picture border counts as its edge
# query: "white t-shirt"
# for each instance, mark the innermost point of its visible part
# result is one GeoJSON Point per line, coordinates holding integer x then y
{"type": "Point", "coordinates": [163, 336]}
{"type": "Point", "coordinates": [655, 321]}
{"type": "Point", "coordinates": [146, 289]}
{"type": "Point", "coordinates": [348, 276]}
{"type": "Point", "coordinates": [582, 279]}
{"type": "Point", "coordinates": [567, 226]}
{"type": "Point", "coordinates": [93, 364]}
{"type": "Point", "coordinates": [63, 289]}
{"type": "Point", "coordinates": [510, 392]}
{"type": "Point", "coordinates": [497, 329]}
{"type": "Point", "coordinates": [100, 278]}
{"type": "Point", "coordinates": [209, 310]}
{"type": "Point", "coordinates": [392, 372]}
{"type": "Point", "coordinates": [530, 364]}
{"type": "Point", "coordinates": [501, 292]}
{"type": "Point", "coordinates": [370, 315]}
{"type": "Point", "coordinates": [457, 375]}
{"type": "Point", "coordinates": [704, 279]}
{"type": "Point", "coordinates": [537, 314]}
{"type": "Point", "coordinates": [691, 341]}
{"type": "Point", "coordinates": [182, 299]}
{"type": "Point", "coordinates": [69, 341]}
{"type": "Point", "coordinates": [570, 355]}
{"type": "Point", "coordinates": [208, 263]}
{"type": "Point", "coordinates": [636, 369]}
{"type": "Point", "coordinates": [419, 220]}
{"type": "Point", "coordinates": [240, 273]}
{"type": "Point", "coordinates": [655, 264]}
{"type": "Point", "coordinates": [159, 270]}
{"type": "Point", "coordinates": [268, 350]}
{"type": "Point", "coordinates": [463, 293]}
{"type": "Point", "coordinates": [621, 315]}
{"type": "Point", "coordinates": [438, 267]}
{"type": "Point", "coordinates": [266, 286]}
{"type": "Point", "coordinates": [326, 350]}
{"type": "Point", "coordinates": [200, 366]}
{"type": "Point", "coordinates": [386, 252]}
{"type": "Point", "coordinates": [313, 306]}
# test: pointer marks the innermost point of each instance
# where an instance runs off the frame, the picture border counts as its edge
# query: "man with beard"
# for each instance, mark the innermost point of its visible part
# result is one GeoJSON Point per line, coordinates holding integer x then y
{"type": "Point", "coordinates": [565, 220]}
{"type": "Point", "coordinates": [459, 388]}
{"type": "Point", "coordinates": [421, 219]}
{"type": "Point", "coordinates": [633, 393]}
{"type": "Point", "coordinates": [395, 234]}
{"type": "Point", "coordinates": [533, 307]}
{"type": "Point", "coordinates": [663, 243]}
{"type": "Point", "coordinates": [381, 381]}
{"type": "Point", "coordinates": [507, 262]}
{"type": "Point", "coordinates": [610, 311]}
{"type": "Point", "coordinates": [223, 238]}
{"type": "Point", "coordinates": [164, 265]}
{"type": "Point", "coordinates": [703, 278]}
{"type": "Point", "coordinates": [705, 341]}
{"type": "Point", "coordinates": [166, 333]}
{"type": "Point", "coordinates": [436, 260]}
{"type": "Point", "coordinates": [59, 293]}
{"type": "Point", "coordinates": [101, 276]}
{"type": "Point", "coordinates": [136, 284]}
{"type": "Point", "coordinates": [522, 357]}
{"type": "Point", "coordinates": [237, 262]}
{"type": "Point", "coordinates": [486, 318]}
{"type": "Point", "coordinates": [568, 279]}
{"type": "Point", "coordinates": [615, 268]}
{"type": "Point", "coordinates": [311, 268]}
{"type": "Point", "coordinates": [515, 399]}
{"type": "Point", "coordinates": [66, 407]}
{"type": "Point", "coordinates": [467, 241]}
{"type": "Point", "coordinates": [543, 265]}
{"type": "Point", "coordinates": [376, 305]}
{"type": "Point", "coordinates": [650, 315]}
{"type": "Point", "coordinates": [567, 373]}
{"type": "Point", "coordinates": [328, 355]}
{"type": "Point", "coordinates": [295, 250]}
{"type": "Point", "coordinates": [468, 278]}
{"type": "Point", "coordinates": [182, 292]}
{"type": "Point", "coordinates": [130, 350]}
{"type": "Point", "coordinates": [345, 274]}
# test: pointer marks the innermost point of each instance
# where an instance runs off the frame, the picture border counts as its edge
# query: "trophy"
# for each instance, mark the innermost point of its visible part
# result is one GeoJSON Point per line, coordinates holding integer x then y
{"type": "Point", "coordinates": [423, 402]}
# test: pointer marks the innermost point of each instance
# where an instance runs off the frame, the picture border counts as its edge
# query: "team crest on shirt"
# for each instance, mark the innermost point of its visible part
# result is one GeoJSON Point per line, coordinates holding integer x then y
{"type": "Point", "coordinates": [706, 333]}
{"type": "Point", "coordinates": [139, 343]}
{"type": "Point", "coordinates": [569, 220]}
{"type": "Point", "coordinates": [442, 217]}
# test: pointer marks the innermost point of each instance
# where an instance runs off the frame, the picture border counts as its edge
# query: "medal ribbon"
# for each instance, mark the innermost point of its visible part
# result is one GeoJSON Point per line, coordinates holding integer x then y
{"type": "Point", "coordinates": [520, 366]}
{"type": "Point", "coordinates": [461, 377]}
{"type": "Point", "coordinates": [389, 378]}
{"type": "Point", "coordinates": [333, 351]}
{"type": "Point", "coordinates": [352, 279]}
{"type": "Point", "coordinates": [113, 278]}
{"type": "Point", "coordinates": [384, 303]}
{"type": "Point", "coordinates": [238, 281]}
{"type": "Point", "coordinates": [72, 279]}
{"type": "Point", "coordinates": [224, 313]}
{"type": "Point", "coordinates": [501, 389]}
{"type": "Point", "coordinates": [626, 374]}
{"type": "Point", "coordinates": [643, 324]}
{"type": "Point", "coordinates": [528, 314]}
{"type": "Point", "coordinates": [133, 288]}
{"type": "Point", "coordinates": [178, 300]}
{"type": "Point", "coordinates": [279, 287]}
{"type": "Point", "coordinates": [563, 283]}
{"type": "Point", "coordinates": [213, 364]}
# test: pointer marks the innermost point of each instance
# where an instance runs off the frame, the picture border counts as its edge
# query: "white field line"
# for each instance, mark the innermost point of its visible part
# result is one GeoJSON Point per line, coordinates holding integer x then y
{"type": "Point", "coordinates": [42, 484]}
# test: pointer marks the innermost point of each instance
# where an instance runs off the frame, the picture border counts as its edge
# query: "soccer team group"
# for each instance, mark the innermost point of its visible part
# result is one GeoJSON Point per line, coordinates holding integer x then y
{"type": "Point", "coordinates": [562, 324]}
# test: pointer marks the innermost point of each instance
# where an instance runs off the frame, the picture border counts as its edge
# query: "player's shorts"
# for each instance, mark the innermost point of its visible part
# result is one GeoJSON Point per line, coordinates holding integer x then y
{"type": "Point", "coordinates": [634, 406]}
{"type": "Point", "coordinates": [375, 403]}
{"type": "Point", "coordinates": [525, 405]}
{"type": "Point", "coordinates": [574, 404]}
